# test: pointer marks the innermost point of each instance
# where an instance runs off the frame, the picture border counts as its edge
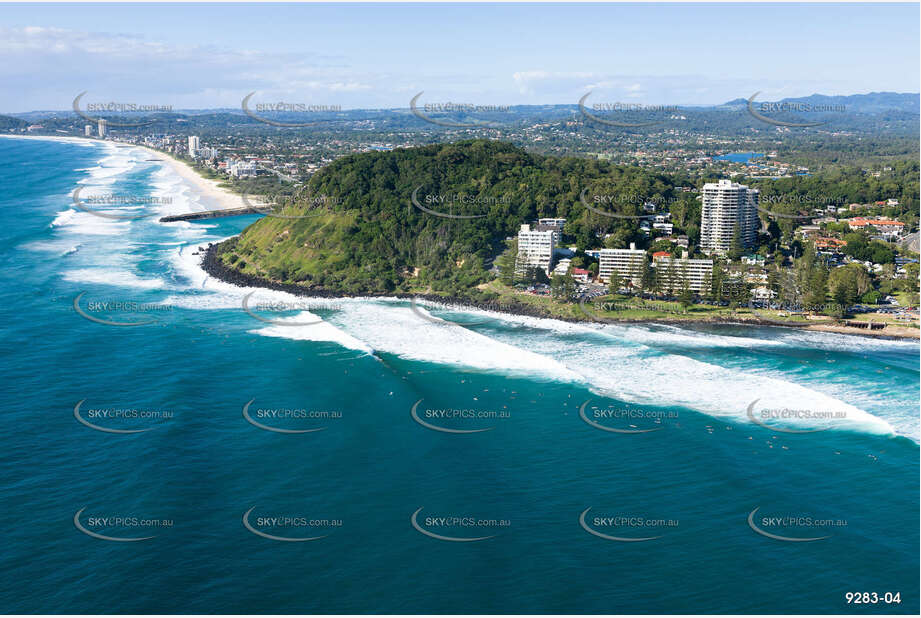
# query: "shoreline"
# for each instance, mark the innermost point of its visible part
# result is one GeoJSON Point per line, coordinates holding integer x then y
{"type": "Point", "coordinates": [214, 267]}
{"type": "Point", "coordinates": [222, 199]}
{"type": "Point", "coordinates": [218, 197]}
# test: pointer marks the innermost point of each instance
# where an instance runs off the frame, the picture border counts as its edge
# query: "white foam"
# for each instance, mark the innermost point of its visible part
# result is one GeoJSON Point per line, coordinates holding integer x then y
{"type": "Point", "coordinates": [295, 328]}
{"type": "Point", "coordinates": [620, 361]}
{"type": "Point", "coordinates": [84, 223]}
{"type": "Point", "coordinates": [59, 247]}
{"type": "Point", "coordinates": [114, 277]}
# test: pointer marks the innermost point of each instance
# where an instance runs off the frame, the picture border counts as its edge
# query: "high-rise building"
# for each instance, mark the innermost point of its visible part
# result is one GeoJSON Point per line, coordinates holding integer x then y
{"type": "Point", "coordinates": [535, 248]}
{"type": "Point", "coordinates": [88, 130]}
{"type": "Point", "coordinates": [728, 208]}
{"type": "Point", "coordinates": [193, 145]}
{"type": "Point", "coordinates": [627, 262]}
{"type": "Point", "coordinates": [102, 127]}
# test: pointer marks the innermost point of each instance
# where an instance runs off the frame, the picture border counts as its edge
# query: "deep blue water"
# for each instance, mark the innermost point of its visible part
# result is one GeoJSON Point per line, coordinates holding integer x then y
{"type": "Point", "coordinates": [201, 465]}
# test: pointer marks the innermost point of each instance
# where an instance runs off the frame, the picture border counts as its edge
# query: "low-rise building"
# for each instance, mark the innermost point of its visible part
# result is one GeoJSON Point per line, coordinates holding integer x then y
{"type": "Point", "coordinates": [581, 275]}
{"type": "Point", "coordinates": [683, 270]}
{"type": "Point", "coordinates": [562, 267]}
{"type": "Point", "coordinates": [829, 244]}
{"type": "Point", "coordinates": [627, 262]}
{"type": "Point", "coordinates": [753, 259]}
{"type": "Point", "coordinates": [885, 226]}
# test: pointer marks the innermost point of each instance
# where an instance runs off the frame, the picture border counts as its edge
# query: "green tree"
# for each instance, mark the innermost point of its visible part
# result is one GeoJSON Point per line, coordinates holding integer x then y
{"type": "Point", "coordinates": [615, 282]}
{"type": "Point", "coordinates": [648, 276]}
{"type": "Point", "coordinates": [736, 248]}
{"type": "Point", "coordinates": [563, 287]}
{"type": "Point", "coordinates": [706, 286]}
{"type": "Point", "coordinates": [506, 263]}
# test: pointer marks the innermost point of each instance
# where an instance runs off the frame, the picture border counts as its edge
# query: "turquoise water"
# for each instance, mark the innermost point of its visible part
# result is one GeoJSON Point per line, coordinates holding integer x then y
{"type": "Point", "coordinates": [689, 486]}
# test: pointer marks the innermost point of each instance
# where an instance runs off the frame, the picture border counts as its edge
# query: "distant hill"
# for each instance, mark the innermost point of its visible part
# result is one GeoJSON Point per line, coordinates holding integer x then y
{"type": "Point", "coordinates": [872, 103]}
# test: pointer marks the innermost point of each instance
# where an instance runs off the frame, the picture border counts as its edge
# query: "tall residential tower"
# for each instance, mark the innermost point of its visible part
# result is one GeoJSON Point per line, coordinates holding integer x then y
{"type": "Point", "coordinates": [727, 207]}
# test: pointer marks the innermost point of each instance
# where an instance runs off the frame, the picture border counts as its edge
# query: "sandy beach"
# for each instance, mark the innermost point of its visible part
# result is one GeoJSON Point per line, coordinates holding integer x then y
{"type": "Point", "coordinates": [217, 197]}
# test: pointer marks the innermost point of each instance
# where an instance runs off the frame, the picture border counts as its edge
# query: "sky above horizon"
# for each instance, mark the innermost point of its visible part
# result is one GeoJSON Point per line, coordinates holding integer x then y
{"type": "Point", "coordinates": [196, 56]}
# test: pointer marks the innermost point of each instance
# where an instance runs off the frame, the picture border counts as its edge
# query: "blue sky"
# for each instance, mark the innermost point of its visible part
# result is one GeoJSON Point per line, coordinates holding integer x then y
{"type": "Point", "coordinates": [377, 55]}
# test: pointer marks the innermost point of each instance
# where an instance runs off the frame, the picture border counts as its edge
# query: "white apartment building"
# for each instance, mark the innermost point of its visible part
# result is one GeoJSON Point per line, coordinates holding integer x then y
{"type": "Point", "coordinates": [241, 169]}
{"type": "Point", "coordinates": [193, 145]}
{"type": "Point", "coordinates": [627, 262]}
{"type": "Point", "coordinates": [101, 127]}
{"type": "Point", "coordinates": [726, 206]}
{"type": "Point", "coordinates": [556, 223]}
{"type": "Point", "coordinates": [88, 130]}
{"type": "Point", "coordinates": [695, 272]}
{"type": "Point", "coordinates": [535, 248]}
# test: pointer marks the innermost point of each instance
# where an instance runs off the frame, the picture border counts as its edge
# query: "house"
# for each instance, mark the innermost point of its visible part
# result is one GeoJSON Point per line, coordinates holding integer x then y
{"type": "Point", "coordinates": [763, 293]}
{"type": "Point", "coordinates": [581, 275]}
{"type": "Point", "coordinates": [829, 244]}
{"type": "Point", "coordinates": [885, 226]}
{"type": "Point", "coordinates": [753, 259]}
{"type": "Point", "coordinates": [808, 230]}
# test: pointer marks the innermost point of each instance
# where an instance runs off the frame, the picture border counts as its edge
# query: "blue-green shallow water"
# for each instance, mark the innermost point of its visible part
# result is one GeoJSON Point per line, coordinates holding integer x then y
{"type": "Point", "coordinates": [538, 468]}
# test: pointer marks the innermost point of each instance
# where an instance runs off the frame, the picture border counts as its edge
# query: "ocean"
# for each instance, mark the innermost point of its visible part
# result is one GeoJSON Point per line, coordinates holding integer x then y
{"type": "Point", "coordinates": [175, 444]}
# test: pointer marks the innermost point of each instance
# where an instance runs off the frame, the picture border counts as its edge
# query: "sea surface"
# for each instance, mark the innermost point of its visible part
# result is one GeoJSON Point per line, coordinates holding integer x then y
{"type": "Point", "coordinates": [586, 468]}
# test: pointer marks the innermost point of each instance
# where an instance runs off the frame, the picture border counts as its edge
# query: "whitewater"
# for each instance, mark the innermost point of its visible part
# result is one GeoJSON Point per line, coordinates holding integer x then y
{"type": "Point", "coordinates": [642, 364]}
